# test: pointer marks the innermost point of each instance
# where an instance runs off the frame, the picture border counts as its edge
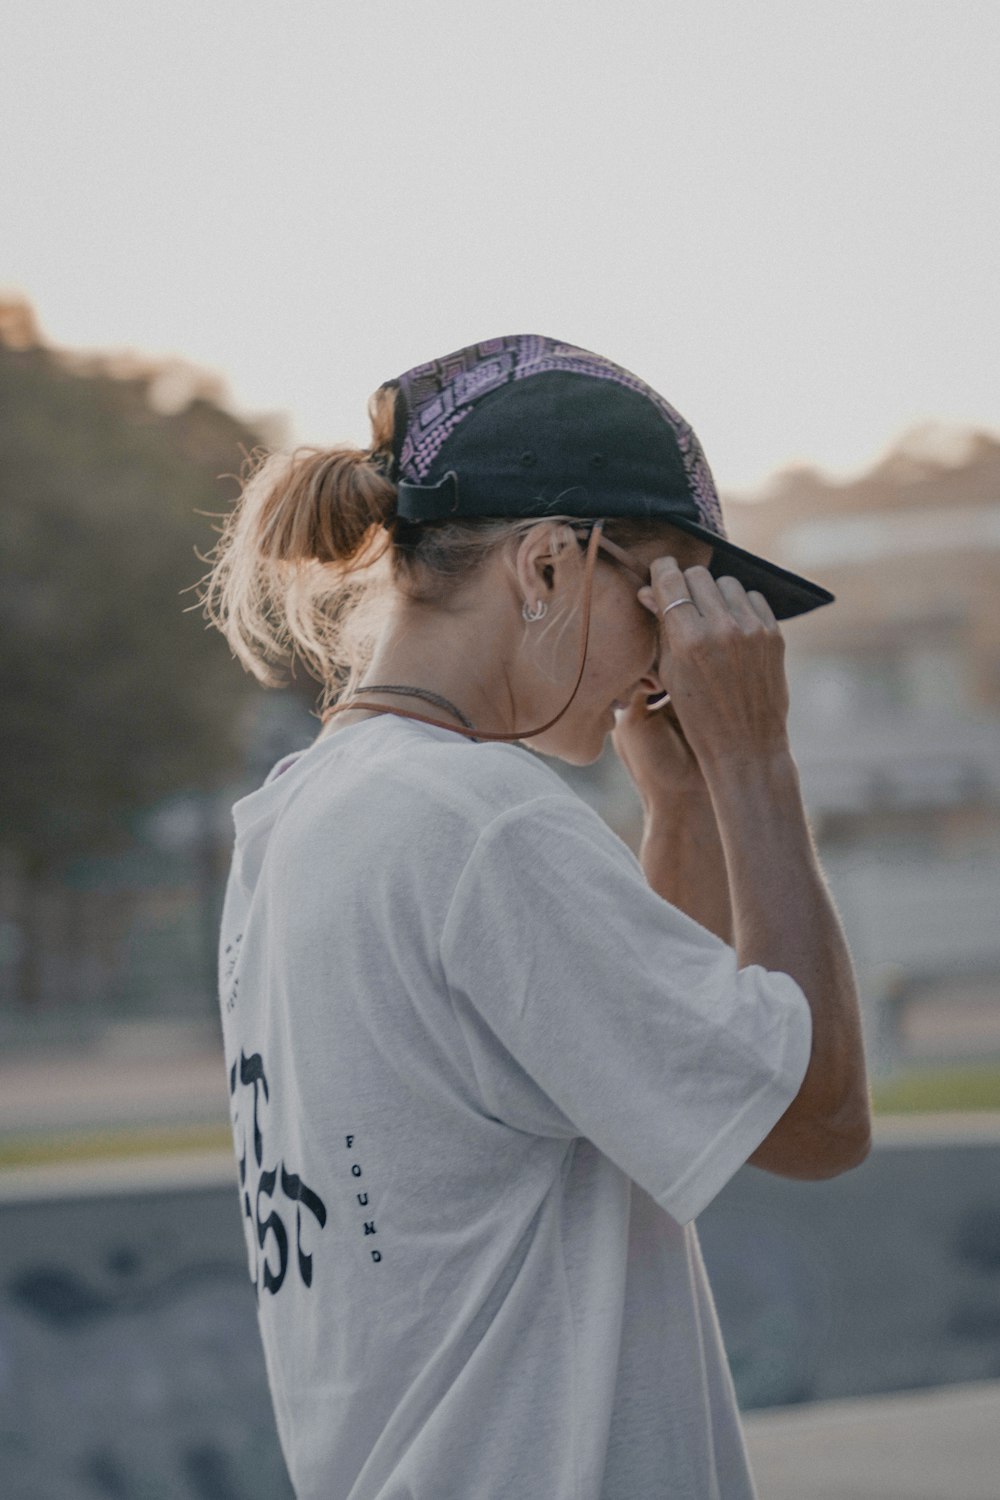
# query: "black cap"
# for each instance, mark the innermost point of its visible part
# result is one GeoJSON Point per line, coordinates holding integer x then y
{"type": "Point", "coordinates": [531, 426]}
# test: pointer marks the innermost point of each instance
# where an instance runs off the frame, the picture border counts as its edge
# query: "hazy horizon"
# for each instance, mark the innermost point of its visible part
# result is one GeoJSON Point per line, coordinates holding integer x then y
{"type": "Point", "coordinates": [783, 219]}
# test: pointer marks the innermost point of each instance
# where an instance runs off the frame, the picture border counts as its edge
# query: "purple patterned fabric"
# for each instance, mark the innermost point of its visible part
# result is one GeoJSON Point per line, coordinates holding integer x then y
{"type": "Point", "coordinates": [440, 393]}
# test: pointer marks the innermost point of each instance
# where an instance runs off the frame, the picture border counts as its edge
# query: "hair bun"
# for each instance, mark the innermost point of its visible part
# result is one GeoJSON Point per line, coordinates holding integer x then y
{"type": "Point", "coordinates": [312, 505]}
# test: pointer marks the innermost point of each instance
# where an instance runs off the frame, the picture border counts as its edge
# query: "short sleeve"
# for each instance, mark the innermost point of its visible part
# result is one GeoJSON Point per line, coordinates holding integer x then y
{"type": "Point", "coordinates": [593, 1007]}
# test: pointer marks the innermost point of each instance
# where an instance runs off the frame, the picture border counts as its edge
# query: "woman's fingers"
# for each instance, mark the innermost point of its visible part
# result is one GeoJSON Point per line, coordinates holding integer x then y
{"type": "Point", "coordinates": [654, 751]}
{"type": "Point", "coordinates": [763, 609]}
{"type": "Point", "coordinates": [721, 657]}
{"type": "Point", "coordinates": [668, 586]}
{"type": "Point", "coordinates": [751, 609]}
{"type": "Point", "coordinates": [712, 597]}
{"type": "Point", "coordinates": [705, 592]}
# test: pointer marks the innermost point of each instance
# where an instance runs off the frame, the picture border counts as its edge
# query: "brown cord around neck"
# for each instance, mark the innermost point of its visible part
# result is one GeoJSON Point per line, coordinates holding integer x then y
{"type": "Point", "coordinates": [520, 734]}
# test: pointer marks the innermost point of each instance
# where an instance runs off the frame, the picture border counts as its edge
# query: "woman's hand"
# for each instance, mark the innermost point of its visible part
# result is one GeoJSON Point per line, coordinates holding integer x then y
{"type": "Point", "coordinates": [681, 851]}
{"type": "Point", "coordinates": [654, 750]}
{"type": "Point", "coordinates": [722, 662]}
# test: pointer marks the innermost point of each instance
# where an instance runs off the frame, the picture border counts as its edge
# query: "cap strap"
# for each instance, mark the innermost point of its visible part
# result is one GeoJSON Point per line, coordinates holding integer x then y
{"type": "Point", "coordinates": [429, 502]}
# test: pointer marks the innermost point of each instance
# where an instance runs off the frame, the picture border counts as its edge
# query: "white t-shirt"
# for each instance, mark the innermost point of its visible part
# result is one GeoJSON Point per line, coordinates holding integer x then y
{"type": "Point", "coordinates": [482, 1080]}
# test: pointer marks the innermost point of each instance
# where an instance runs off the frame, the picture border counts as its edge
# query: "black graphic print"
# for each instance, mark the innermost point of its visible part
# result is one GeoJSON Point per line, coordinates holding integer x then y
{"type": "Point", "coordinates": [230, 959]}
{"type": "Point", "coordinates": [267, 1234]}
{"type": "Point", "coordinates": [368, 1224]}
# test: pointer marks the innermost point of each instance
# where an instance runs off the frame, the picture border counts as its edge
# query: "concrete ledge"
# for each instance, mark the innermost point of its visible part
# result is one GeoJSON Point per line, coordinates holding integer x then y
{"type": "Point", "coordinates": [944, 1127]}
{"type": "Point", "coordinates": [938, 1444]}
{"type": "Point", "coordinates": [126, 1174]}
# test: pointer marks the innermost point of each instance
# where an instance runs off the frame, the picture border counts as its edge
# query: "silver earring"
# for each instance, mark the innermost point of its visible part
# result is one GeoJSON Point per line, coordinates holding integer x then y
{"type": "Point", "coordinates": [536, 613]}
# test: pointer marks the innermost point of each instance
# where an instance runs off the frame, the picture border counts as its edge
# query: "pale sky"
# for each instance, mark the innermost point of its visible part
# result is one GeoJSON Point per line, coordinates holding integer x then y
{"type": "Point", "coordinates": [781, 214]}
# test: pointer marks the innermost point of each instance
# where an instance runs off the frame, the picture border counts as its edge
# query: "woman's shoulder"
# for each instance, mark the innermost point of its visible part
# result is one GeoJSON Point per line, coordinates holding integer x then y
{"type": "Point", "coordinates": [410, 810]}
{"type": "Point", "coordinates": [482, 778]}
{"type": "Point", "coordinates": [492, 793]}
{"type": "Point", "coordinates": [389, 771]}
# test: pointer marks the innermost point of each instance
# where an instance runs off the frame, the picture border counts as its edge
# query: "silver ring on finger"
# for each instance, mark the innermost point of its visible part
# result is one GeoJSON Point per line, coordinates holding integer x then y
{"type": "Point", "coordinates": [669, 607]}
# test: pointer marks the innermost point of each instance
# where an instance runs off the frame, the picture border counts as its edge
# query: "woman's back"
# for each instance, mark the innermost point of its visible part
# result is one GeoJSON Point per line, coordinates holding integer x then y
{"type": "Point", "coordinates": [482, 1079]}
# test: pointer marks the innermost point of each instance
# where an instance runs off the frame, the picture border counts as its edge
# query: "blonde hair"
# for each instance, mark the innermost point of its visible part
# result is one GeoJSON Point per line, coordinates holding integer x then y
{"type": "Point", "coordinates": [312, 555]}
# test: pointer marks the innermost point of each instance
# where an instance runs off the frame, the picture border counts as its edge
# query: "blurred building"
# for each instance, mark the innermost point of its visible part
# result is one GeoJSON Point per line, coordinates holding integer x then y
{"type": "Point", "coordinates": [895, 722]}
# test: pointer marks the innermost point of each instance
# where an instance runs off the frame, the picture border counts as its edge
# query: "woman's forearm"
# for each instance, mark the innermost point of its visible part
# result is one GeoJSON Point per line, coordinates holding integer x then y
{"type": "Point", "coordinates": [684, 861]}
{"type": "Point", "coordinates": [786, 921]}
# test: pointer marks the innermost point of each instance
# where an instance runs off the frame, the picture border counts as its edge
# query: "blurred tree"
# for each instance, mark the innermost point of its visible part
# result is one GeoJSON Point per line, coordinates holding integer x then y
{"type": "Point", "coordinates": [115, 690]}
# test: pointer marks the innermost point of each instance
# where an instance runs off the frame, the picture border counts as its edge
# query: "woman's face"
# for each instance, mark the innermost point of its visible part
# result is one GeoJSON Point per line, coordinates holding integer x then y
{"type": "Point", "coordinates": [622, 651]}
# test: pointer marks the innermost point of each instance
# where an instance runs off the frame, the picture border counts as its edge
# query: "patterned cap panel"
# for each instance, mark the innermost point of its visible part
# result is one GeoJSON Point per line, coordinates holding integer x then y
{"type": "Point", "coordinates": [442, 392]}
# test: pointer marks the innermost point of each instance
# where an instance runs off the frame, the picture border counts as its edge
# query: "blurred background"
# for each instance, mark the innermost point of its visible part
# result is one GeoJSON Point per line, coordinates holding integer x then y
{"type": "Point", "coordinates": [224, 226]}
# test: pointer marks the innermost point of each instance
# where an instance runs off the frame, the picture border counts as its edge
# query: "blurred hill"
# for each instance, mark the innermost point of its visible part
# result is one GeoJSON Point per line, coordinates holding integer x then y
{"type": "Point", "coordinates": [116, 694]}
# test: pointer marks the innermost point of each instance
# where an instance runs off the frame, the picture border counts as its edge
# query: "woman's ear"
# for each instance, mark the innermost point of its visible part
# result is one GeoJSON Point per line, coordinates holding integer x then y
{"type": "Point", "coordinates": [544, 552]}
{"type": "Point", "coordinates": [541, 550]}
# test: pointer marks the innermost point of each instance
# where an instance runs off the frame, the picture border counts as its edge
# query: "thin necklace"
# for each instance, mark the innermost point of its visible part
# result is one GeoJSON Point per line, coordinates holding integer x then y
{"type": "Point", "coordinates": [392, 687]}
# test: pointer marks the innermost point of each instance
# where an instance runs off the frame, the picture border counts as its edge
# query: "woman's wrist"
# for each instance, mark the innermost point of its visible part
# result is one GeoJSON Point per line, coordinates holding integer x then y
{"type": "Point", "coordinates": [681, 802]}
{"type": "Point", "coordinates": [740, 766]}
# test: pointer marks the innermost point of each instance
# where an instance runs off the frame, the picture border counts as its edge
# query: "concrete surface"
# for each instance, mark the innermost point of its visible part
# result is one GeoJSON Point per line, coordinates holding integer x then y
{"type": "Point", "coordinates": [140, 1074]}
{"type": "Point", "coordinates": [941, 1444]}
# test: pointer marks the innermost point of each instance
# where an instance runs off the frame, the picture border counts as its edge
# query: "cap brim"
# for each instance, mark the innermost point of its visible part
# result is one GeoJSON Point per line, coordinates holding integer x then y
{"type": "Point", "coordinates": [787, 593]}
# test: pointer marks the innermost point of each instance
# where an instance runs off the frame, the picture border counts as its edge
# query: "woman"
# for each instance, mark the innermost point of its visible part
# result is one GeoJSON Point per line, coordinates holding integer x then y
{"type": "Point", "coordinates": [485, 1065]}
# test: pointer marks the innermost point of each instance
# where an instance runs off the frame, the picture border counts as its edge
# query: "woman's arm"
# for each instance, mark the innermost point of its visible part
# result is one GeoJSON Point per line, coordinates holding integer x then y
{"type": "Point", "coordinates": [681, 850]}
{"type": "Point", "coordinates": [722, 662]}
{"type": "Point", "coordinates": [786, 920]}
{"type": "Point", "coordinates": [684, 861]}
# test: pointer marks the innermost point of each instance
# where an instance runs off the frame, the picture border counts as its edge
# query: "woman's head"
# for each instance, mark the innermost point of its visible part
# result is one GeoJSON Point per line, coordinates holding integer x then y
{"type": "Point", "coordinates": [545, 564]}
{"type": "Point", "coordinates": [410, 561]}
{"type": "Point", "coordinates": [314, 563]}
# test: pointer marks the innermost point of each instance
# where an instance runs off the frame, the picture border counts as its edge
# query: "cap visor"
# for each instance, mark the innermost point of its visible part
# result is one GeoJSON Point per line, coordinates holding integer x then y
{"type": "Point", "coordinates": [786, 593]}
